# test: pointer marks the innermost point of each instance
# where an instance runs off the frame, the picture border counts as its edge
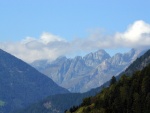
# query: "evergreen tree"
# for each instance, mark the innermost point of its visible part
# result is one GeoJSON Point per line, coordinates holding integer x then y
{"type": "Point", "coordinates": [113, 80]}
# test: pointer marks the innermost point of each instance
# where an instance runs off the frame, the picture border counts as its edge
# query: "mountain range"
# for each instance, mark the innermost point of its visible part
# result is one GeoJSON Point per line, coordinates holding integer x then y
{"type": "Point", "coordinates": [131, 93]}
{"type": "Point", "coordinates": [21, 84]}
{"type": "Point", "coordinates": [80, 74]}
{"type": "Point", "coordinates": [62, 102]}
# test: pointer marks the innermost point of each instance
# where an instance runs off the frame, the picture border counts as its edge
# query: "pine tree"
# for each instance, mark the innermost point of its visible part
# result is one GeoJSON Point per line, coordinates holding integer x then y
{"type": "Point", "coordinates": [113, 80]}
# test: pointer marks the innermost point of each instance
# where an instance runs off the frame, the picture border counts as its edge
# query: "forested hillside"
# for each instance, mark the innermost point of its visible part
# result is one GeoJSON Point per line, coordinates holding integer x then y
{"type": "Point", "coordinates": [22, 85]}
{"type": "Point", "coordinates": [131, 94]}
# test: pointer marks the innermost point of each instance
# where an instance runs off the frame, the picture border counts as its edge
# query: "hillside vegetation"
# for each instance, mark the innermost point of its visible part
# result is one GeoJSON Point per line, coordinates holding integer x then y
{"type": "Point", "coordinates": [22, 85]}
{"type": "Point", "coordinates": [131, 94]}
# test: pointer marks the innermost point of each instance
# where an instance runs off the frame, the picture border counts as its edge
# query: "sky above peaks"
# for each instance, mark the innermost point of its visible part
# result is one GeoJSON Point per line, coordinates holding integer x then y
{"type": "Point", "coordinates": [47, 29]}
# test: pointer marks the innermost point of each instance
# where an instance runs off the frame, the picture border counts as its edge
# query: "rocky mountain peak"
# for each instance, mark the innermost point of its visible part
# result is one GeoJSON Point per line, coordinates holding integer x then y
{"type": "Point", "coordinates": [133, 54]}
{"type": "Point", "coordinates": [98, 55]}
{"type": "Point", "coordinates": [101, 52]}
{"type": "Point", "coordinates": [60, 59]}
{"type": "Point", "coordinates": [78, 58]}
{"type": "Point", "coordinates": [93, 59]}
{"type": "Point", "coordinates": [80, 74]}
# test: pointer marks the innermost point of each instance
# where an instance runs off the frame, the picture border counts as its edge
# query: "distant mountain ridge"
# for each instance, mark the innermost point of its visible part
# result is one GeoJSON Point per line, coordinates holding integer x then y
{"type": "Point", "coordinates": [21, 84]}
{"type": "Point", "coordinates": [138, 64]}
{"type": "Point", "coordinates": [62, 102]}
{"type": "Point", "coordinates": [81, 74]}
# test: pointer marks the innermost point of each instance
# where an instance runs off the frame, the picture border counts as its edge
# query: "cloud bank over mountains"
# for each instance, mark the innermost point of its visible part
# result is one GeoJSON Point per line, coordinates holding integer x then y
{"type": "Point", "coordinates": [50, 46]}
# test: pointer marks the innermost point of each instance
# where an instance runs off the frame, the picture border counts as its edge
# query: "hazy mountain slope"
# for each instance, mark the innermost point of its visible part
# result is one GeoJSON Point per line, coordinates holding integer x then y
{"type": "Point", "coordinates": [21, 84]}
{"type": "Point", "coordinates": [65, 101]}
{"type": "Point", "coordinates": [84, 73]}
{"type": "Point", "coordinates": [58, 103]}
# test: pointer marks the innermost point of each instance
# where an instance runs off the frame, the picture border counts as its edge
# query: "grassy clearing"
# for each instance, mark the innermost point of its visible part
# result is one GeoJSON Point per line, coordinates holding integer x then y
{"type": "Point", "coordinates": [2, 103]}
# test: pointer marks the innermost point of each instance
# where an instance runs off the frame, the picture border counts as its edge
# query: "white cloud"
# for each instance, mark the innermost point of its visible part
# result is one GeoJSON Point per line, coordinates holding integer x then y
{"type": "Point", "coordinates": [137, 35]}
{"type": "Point", "coordinates": [50, 46]}
{"type": "Point", "coordinates": [47, 38]}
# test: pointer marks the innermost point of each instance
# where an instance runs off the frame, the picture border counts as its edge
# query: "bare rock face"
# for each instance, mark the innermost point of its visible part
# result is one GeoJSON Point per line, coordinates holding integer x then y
{"type": "Point", "coordinates": [94, 59]}
{"type": "Point", "coordinates": [81, 74]}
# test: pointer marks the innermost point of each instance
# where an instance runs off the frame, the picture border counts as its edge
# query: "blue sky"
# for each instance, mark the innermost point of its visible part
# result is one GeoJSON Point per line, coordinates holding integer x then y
{"type": "Point", "coordinates": [68, 19]}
